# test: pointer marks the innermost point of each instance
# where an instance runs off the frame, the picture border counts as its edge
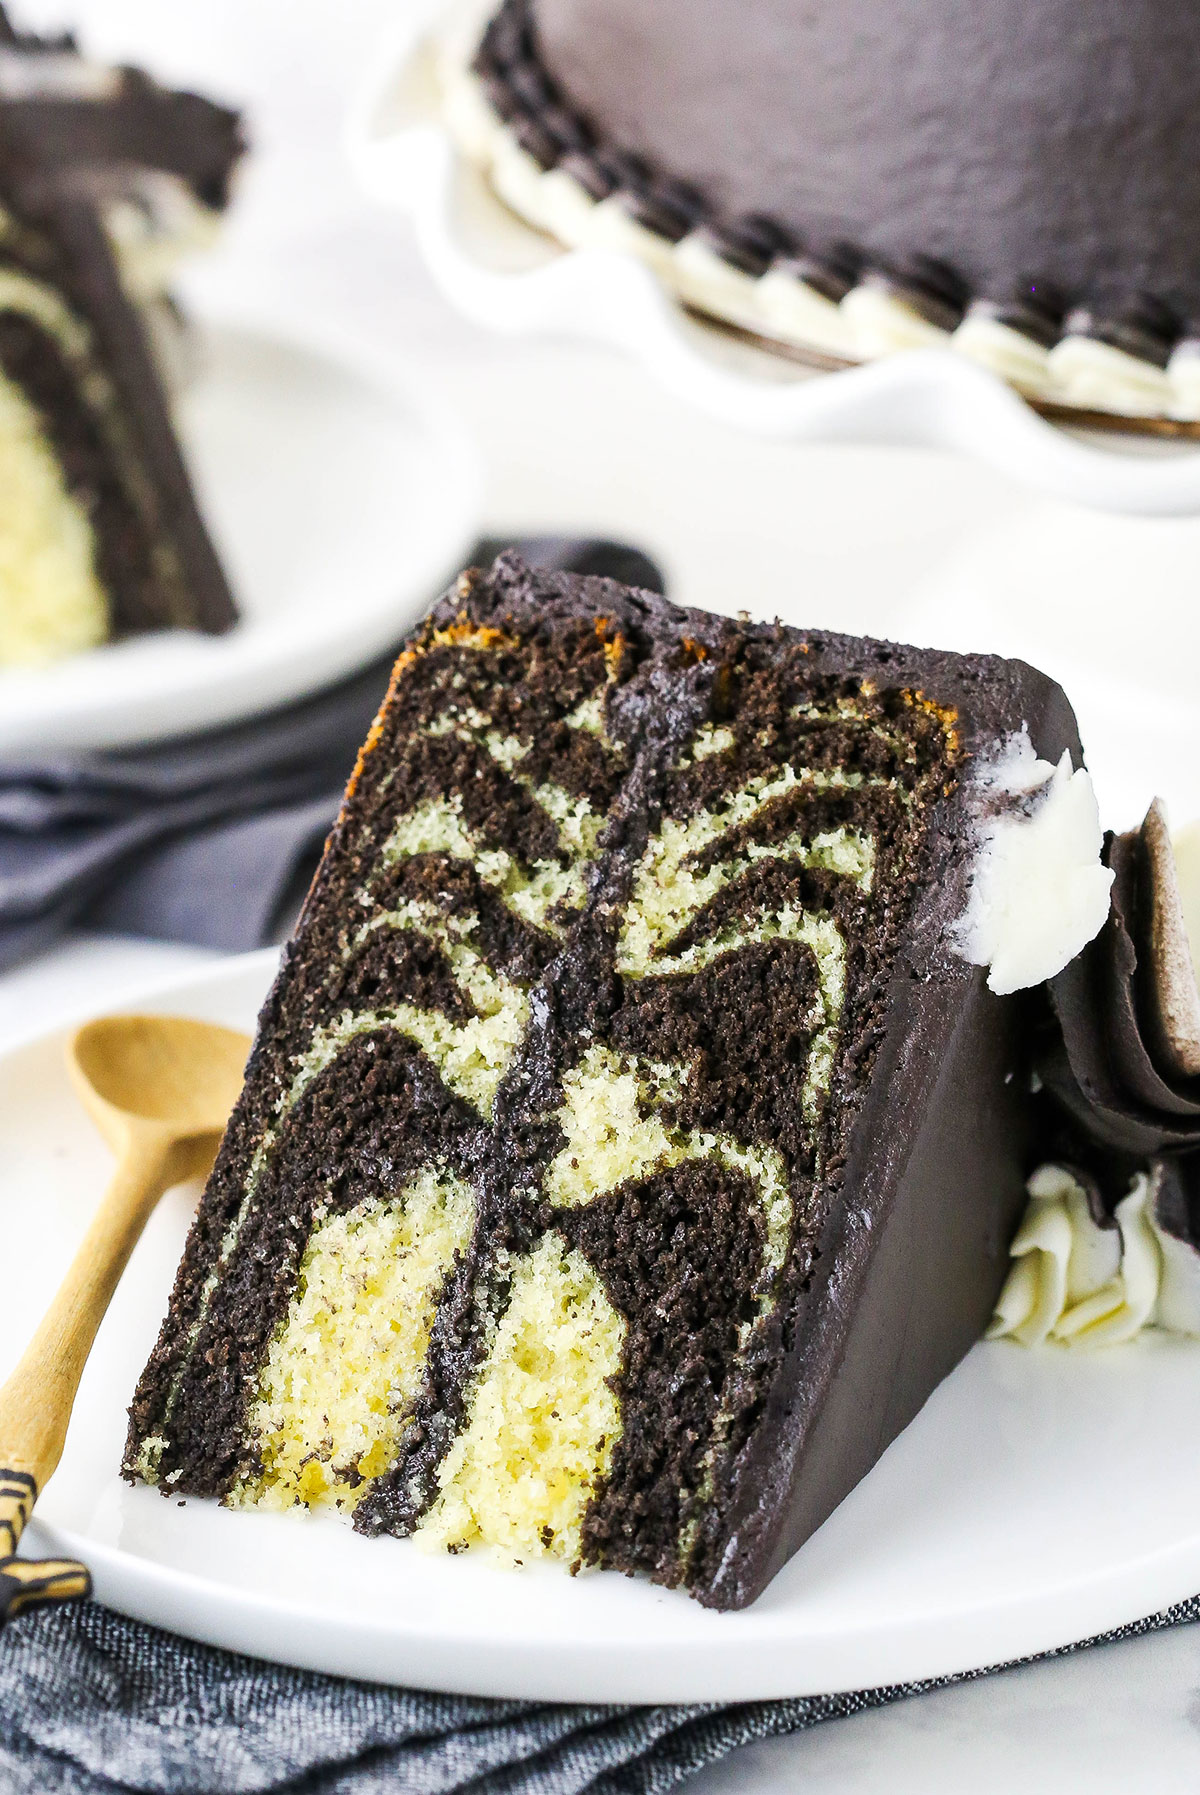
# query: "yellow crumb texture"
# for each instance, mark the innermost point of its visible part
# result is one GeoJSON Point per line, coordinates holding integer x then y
{"type": "Point", "coordinates": [51, 600]}
{"type": "Point", "coordinates": [613, 1135]}
{"type": "Point", "coordinates": [347, 1358]}
{"type": "Point", "coordinates": [436, 826]}
{"type": "Point", "coordinates": [670, 889]}
{"type": "Point", "coordinates": [544, 1417]}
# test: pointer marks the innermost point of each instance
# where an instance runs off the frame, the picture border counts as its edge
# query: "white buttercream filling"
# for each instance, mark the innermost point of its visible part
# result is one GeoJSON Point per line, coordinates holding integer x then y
{"type": "Point", "coordinates": [1078, 1284]}
{"type": "Point", "coordinates": [1038, 890]}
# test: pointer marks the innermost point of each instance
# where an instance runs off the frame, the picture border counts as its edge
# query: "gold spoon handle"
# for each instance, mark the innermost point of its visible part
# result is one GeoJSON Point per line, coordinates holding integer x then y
{"type": "Point", "coordinates": [36, 1401]}
{"type": "Point", "coordinates": [26, 1581]}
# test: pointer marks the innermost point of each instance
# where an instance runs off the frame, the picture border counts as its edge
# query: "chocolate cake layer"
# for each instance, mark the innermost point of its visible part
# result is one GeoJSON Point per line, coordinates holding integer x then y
{"type": "Point", "coordinates": [625, 1153]}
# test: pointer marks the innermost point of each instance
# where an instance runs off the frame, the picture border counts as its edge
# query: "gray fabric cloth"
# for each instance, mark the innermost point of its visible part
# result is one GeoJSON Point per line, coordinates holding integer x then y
{"type": "Point", "coordinates": [204, 839]}
{"type": "Point", "coordinates": [91, 1703]}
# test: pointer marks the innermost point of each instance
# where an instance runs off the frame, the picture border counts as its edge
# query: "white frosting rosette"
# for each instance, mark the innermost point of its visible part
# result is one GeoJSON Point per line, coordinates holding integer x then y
{"type": "Point", "coordinates": [1082, 1278]}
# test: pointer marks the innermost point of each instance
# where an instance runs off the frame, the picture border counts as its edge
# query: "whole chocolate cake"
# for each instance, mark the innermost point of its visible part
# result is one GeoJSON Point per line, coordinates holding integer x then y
{"type": "Point", "coordinates": [630, 1144]}
{"type": "Point", "coordinates": [104, 177]}
{"type": "Point", "coordinates": [1017, 181]}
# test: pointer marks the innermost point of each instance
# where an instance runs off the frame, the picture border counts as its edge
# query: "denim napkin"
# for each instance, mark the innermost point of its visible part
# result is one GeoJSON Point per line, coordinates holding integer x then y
{"type": "Point", "coordinates": [92, 1704]}
{"type": "Point", "coordinates": [206, 839]}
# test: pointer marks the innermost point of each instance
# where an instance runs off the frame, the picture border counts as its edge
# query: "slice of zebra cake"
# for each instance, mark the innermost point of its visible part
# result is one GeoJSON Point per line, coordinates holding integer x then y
{"type": "Point", "coordinates": [105, 179]}
{"type": "Point", "coordinates": [628, 1148]}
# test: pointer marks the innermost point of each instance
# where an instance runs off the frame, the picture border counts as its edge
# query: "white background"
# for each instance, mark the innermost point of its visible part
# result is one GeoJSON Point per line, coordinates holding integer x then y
{"type": "Point", "coordinates": [900, 543]}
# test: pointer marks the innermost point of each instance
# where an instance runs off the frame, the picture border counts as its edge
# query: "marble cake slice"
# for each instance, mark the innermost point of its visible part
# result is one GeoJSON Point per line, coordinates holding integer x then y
{"type": "Point", "coordinates": [102, 176]}
{"type": "Point", "coordinates": [627, 1152]}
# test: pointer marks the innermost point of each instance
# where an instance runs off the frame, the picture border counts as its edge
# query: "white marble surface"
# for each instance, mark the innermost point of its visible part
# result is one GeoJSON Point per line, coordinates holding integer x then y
{"type": "Point", "coordinates": [945, 551]}
{"type": "Point", "coordinates": [1118, 1718]}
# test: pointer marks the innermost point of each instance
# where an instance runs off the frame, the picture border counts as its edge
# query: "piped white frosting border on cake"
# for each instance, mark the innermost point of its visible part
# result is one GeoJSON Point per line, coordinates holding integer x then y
{"type": "Point", "coordinates": [1078, 371]}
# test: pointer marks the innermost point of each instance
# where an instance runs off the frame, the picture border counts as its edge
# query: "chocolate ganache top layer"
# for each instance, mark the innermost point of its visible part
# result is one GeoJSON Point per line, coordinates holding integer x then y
{"type": "Point", "coordinates": [1055, 145]}
{"type": "Point", "coordinates": [1124, 1058]}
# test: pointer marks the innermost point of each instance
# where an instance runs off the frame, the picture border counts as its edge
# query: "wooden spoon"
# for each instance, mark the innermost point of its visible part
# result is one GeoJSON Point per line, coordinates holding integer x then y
{"type": "Point", "coordinates": [160, 1089]}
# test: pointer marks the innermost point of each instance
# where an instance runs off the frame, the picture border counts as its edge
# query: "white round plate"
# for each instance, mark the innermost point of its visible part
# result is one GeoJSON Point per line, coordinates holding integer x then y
{"type": "Point", "coordinates": [340, 498]}
{"type": "Point", "coordinates": [1038, 1498]}
{"type": "Point", "coordinates": [506, 275]}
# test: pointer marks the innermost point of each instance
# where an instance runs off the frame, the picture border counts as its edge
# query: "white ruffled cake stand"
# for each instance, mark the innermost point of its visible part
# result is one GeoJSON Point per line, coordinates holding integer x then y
{"type": "Point", "coordinates": [503, 273]}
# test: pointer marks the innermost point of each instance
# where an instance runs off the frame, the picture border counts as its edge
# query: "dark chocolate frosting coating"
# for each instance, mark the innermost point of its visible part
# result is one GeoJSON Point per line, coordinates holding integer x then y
{"type": "Point", "coordinates": [996, 136]}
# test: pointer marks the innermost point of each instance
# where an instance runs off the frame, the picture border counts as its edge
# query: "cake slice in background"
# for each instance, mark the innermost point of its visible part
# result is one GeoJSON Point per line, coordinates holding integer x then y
{"type": "Point", "coordinates": [630, 1144]}
{"type": "Point", "coordinates": [104, 178]}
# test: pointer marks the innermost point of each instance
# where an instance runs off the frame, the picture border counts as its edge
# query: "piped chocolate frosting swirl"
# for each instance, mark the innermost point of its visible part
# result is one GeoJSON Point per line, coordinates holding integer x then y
{"type": "Point", "coordinates": [1110, 1242]}
{"type": "Point", "coordinates": [1124, 1059]}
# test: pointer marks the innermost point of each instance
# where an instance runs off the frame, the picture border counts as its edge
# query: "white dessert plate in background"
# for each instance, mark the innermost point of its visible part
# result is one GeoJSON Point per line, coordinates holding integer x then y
{"type": "Point", "coordinates": [340, 496]}
{"type": "Point", "coordinates": [1039, 1498]}
{"type": "Point", "coordinates": [504, 274]}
